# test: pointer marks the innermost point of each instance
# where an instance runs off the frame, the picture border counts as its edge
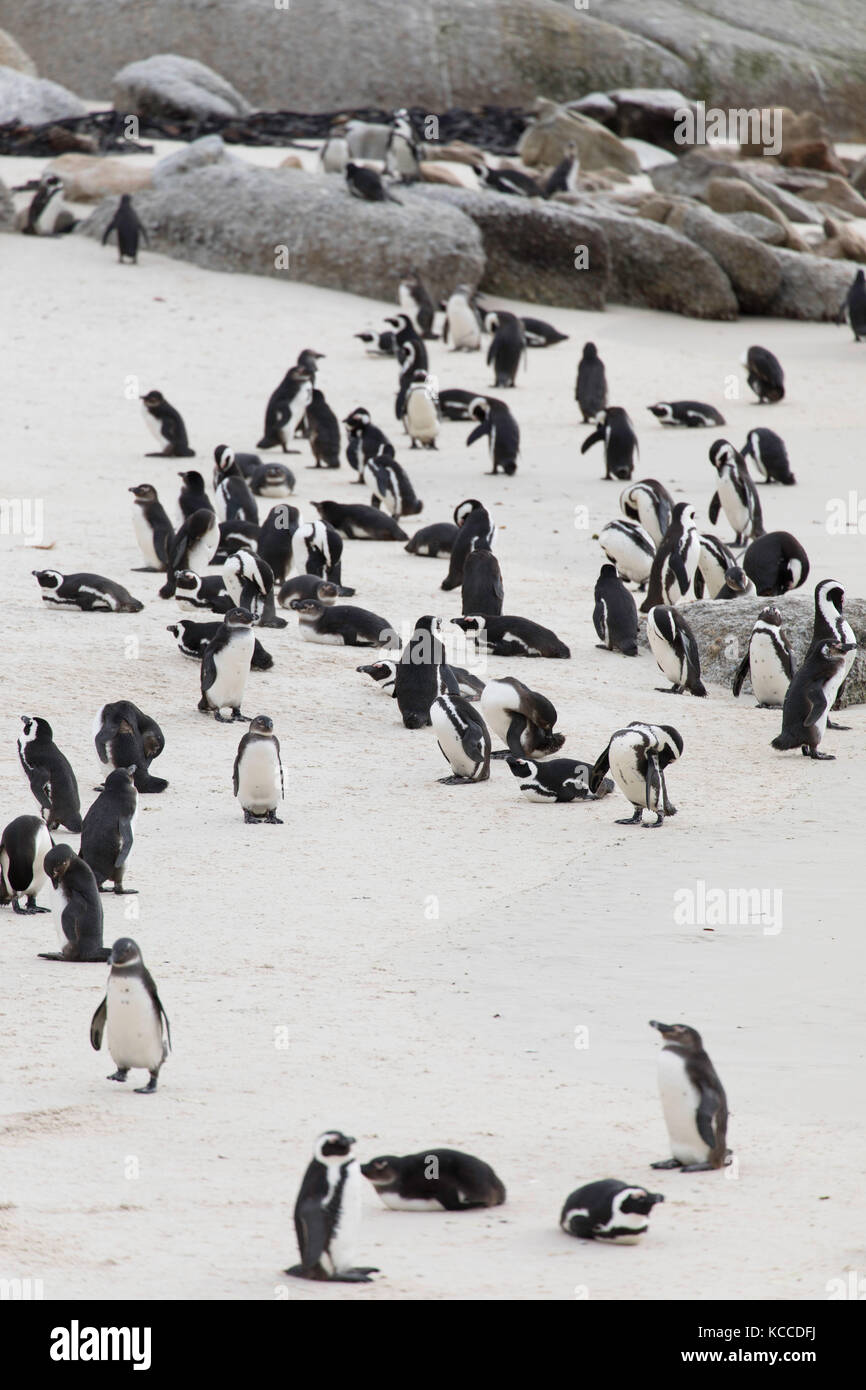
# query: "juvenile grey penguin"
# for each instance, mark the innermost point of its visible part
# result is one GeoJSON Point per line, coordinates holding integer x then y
{"type": "Point", "coordinates": [768, 662]}
{"type": "Point", "coordinates": [328, 1214]}
{"type": "Point", "coordinates": [688, 415]}
{"type": "Point", "coordinates": [462, 735]}
{"type": "Point", "coordinates": [225, 666]}
{"type": "Point", "coordinates": [810, 698]}
{"type": "Point", "coordinates": [131, 1017]}
{"type": "Point", "coordinates": [108, 830]}
{"type": "Point", "coordinates": [167, 426]}
{"type": "Point", "coordinates": [77, 907]}
{"type": "Point", "coordinates": [764, 375]}
{"type": "Point", "coordinates": [590, 389]}
{"type": "Point", "coordinates": [250, 581]}
{"type": "Point", "coordinates": [153, 530]}
{"type": "Point", "coordinates": [257, 777]}
{"type": "Point", "coordinates": [693, 1100]}
{"type": "Point", "coordinates": [23, 847]}
{"type": "Point", "coordinates": [615, 614]}
{"type": "Point", "coordinates": [676, 560]}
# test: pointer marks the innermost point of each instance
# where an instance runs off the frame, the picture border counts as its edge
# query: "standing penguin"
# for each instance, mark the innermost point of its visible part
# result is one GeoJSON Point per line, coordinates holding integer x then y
{"type": "Point", "coordinates": [769, 661]}
{"type": "Point", "coordinates": [234, 500]}
{"type": "Point", "coordinates": [365, 440]}
{"type": "Point", "coordinates": [630, 549]}
{"type": "Point", "coordinates": [415, 686]}
{"type": "Point", "coordinates": [764, 375]}
{"type": "Point", "coordinates": [693, 1100]}
{"type": "Point", "coordinates": [462, 326]}
{"type": "Point", "coordinates": [192, 496]}
{"type": "Point", "coordinates": [412, 357]}
{"type": "Point", "coordinates": [502, 430]}
{"type": "Point", "coordinates": [649, 503]}
{"type": "Point", "coordinates": [276, 539]}
{"type": "Point", "coordinates": [482, 590]}
{"type": "Point", "coordinates": [521, 717]}
{"type": "Point", "coordinates": [767, 451]}
{"type": "Point", "coordinates": [328, 1214]}
{"type": "Point", "coordinates": [391, 485]}
{"type": "Point", "coordinates": [775, 563]}
{"type": "Point", "coordinates": [129, 227]}
{"type": "Point", "coordinates": [77, 907]}
{"type": "Point", "coordinates": [153, 530]}
{"type": "Point", "coordinates": [107, 832]}
{"type": "Point", "coordinates": [831, 625]}
{"type": "Point", "coordinates": [636, 758]}
{"type": "Point", "coordinates": [124, 736]}
{"type": "Point", "coordinates": [225, 666]}
{"type": "Point", "coordinates": [257, 776]}
{"type": "Point", "coordinates": [23, 847]}
{"type": "Point", "coordinates": [620, 441]}
{"type": "Point", "coordinates": [250, 581]}
{"type": "Point", "coordinates": [810, 698]}
{"type": "Point", "coordinates": [420, 413]}
{"type": "Point", "coordinates": [676, 560]}
{"type": "Point", "coordinates": [401, 156]}
{"type": "Point", "coordinates": [415, 301]}
{"type": "Point", "coordinates": [477, 531]}
{"type": "Point", "coordinates": [735, 494]}
{"type": "Point", "coordinates": [286, 407]}
{"type": "Point", "coordinates": [193, 547]}
{"type": "Point", "coordinates": [507, 347]}
{"type": "Point", "coordinates": [334, 154]}
{"type": "Point", "coordinates": [462, 735]}
{"type": "Point", "coordinates": [590, 389]}
{"type": "Point", "coordinates": [50, 775]}
{"type": "Point", "coordinates": [323, 432]}
{"type": "Point", "coordinates": [132, 1018]}
{"type": "Point", "coordinates": [615, 614]}
{"type": "Point", "coordinates": [853, 308]}
{"type": "Point", "coordinates": [675, 649]}
{"type": "Point", "coordinates": [563, 178]}
{"type": "Point", "coordinates": [166, 425]}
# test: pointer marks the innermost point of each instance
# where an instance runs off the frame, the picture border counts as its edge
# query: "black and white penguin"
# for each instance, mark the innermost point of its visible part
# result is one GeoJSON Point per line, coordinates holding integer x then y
{"type": "Point", "coordinates": [257, 776]}
{"type": "Point", "coordinates": [415, 301]}
{"type": "Point", "coordinates": [539, 334]}
{"type": "Point", "coordinates": [268, 480]}
{"type": "Point", "coordinates": [308, 586]}
{"type": "Point", "coordinates": [324, 546]}
{"type": "Point", "coordinates": [232, 496]}
{"type": "Point", "coordinates": [433, 541]}
{"type": "Point", "coordinates": [688, 415]}
{"type": "Point", "coordinates": [476, 531]}
{"type": "Point", "coordinates": [166, 425]}
{"type": "Point", "coordinates": [714, 561]}
{"type": "Point", "coordinates": [764, 375]}
{"type": "Point", "coordinates": [108, 830]}
{"type": "Point", "coordinates": [193, 496]}
{"type": "Point", "coordinates": [50, 775]}
{"type": "Point", "coordinates": [76, 905]}
{"type": "Point", "coordinates": [193, 548]}
{"type": "Point", "coordinates": [482, 590]}
{"type": "Point", "coordinates": [192, 638]}
{"type": "Point", "coordinates": [124, 736]}
{"type": "Point", "coordinates": [810, 698]}
{"type": "Point", "coordinates": [462, 327]}
{"type": "Point", "coordinates": [676, 560]}
{"type": "Point", "coordinates": [334, 153]}
{"type": "Point", "coordinates": [250, 581]}
{"type": "Point", "coordinates": [457, 404]}
{"type": "Point", "coordinates": [23, 846]}
{"type": "Point", "coordinates": [359, 522]}
{"type": "Point", "coordinates": [558, 780]}
{"type": "Point", "coordinates": [420, 415]}
{"type": "Point", "coordinates": [769, 661]}
{"type": "Point", "coordinates": [693, 1102]}
{"type": "Point", "coordinates": [328, 1214]}
{"type": "Point", "coordinates": [401, 155]}
{"type": "Point", "coordinates": [511, 636]}
{"type": "Point", "coordinates": [153, 530]}
{"type": "Point", "coordinates": [609, 1210]}
{"type": "Point", "coordinates": [378, 344]}
{"type": "Point", "coordinates": [512, 181]}
{"type": "Point", "coordinates": [276, 542]}
{"type": "Point", "coordinates": [129, 228]}
{"type": "Point", "coordinates": [412, 356]}
{"type": "Point", "coordinates": [831, 625]}
{"type": "Point", "coordinates": [503, 433]}
{"type": "Point", "coordinates": [225, 666]}
{"type": "Point", "coordinates": [235, 536]}
{"type": "Point", "coordinates": [636, 758]}
{"type": "Point", "coordinates": [564, 177]}
{"type": "Point", "coordinates": [323, 432]}
{"type": "Point", "coordinates": [415, 684]}
{"type": "Point", "coordinates": [384, 674]}
{"type": "Point", "coordinates": [768, 452]}
{"type": "Point", "coordinates": [616, 430]}
{"type": "Point", "coordinates": [737, 584]}
{"type": "Point", "coordinates": [853, 308]}
{"type": "Point", "coordinates": [649, 503]}
{"type": "Point", "coordinates": [47, 214]}
{"type": "Point", "coordinates": [365, 440]}
{"type": "Point", "coordinates": [735, 495]}
{"type": "Point", "coordinates": [343, 625]}
{"type": "Point", "coordinates": [615, 614]}
{"type": "Point", "coordinates": [367, 185]}
{"type": "Point", "coordinates": [590, 389]}
{"type": "Point", "coordinates": [391, 486]}
{"type": "Point", "coordinates": [776, 563]}
{"type": "Point", "coordinates": [675, 648]}
{"type": "Point", "coordinates": [132, 1018]}
{"type": "Point", "coordinates": [507, 347]}
{"type": "Point", "coordinates": [92, 593]}
{"type": "Point", "coordinates": [522, 718]}
{"type": "Point", "coordinates": [208, 592]}
{"type": "Point", "coordinates": [462, 734]}
{"type": "Point", "coordinates": [286, 407]}
{"type": "Point", "coordinates": [630, 549]}
{"type": "Point", "coordinates": [434, 1180]}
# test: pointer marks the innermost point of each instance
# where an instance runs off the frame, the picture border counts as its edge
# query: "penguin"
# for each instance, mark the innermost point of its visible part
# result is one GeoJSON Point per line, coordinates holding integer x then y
{"type": "Point", "coordinates": [609, 1210]}
{"type": "Point", "coordinates": [323, 432]}
{"type": "Point", "coordinates": [416, 682]}
{"type": "Point", "coordinates": [270, 480]}
{"type": "Point", "coordinates": [328, 1214]}
{"type": "Point", "coordinates": [193, 497]}
{"type": "Point", "coordinates": [308, 361]}
{"type": "Point", "coordinates": [615, 614]}
{"type": "Point", "coordinates": [225, 666]}
{"type": "Point", "coordinates": [257, 776]}
{"type": "Point", "coordinates": [359, 522]}
{"type": "Point", "coordinates": [539, 334]}
{"type": "Point", "coordinates": [209, 592]}
{"type": "Point", "coordinates": [276, 540]}
{"type": "Point", "coordinates": [616, 430]}
{"type": "Point", "coordinates": [776, 563]}
{"type": "Point", "coordinates": [235, 536]}
{"type": "Point", "coordinates": [378, 344]}
{"type": "Point", "coordinates": [366, 440]}
{"type": "Point", "coordinates": [512, 181]}
{"type": "Point", "coordinates": [512, 636]}
{"type": "Point", "coordinates": [737, 584]}
{"type": "Point", "coordinates": [23, 846]}
{"type": "Point", "coordinates": [769, 661]}
{"type": "Point", "coordinates": [77, 907]}
{"type": "Point", "coordinates": [415, 301]}
{"type": "Point", "coordinates": [831, 625]}
{"type": "Point", "coordinates": [129, 228]}
{"type": "Point", "coordinates": [688, 415]}
{"type": "Point", "coordinates": [92, 593]}
{"type": "Point", "coordinates": [420, 416]}
{"type": "Point", "coordinates": [233, 499]}
{"type": "Point", "coordinates": [767, 451]}
{"type": "Point", "coordinates": [249, 464]}
{"type": "Point", "coordinates": [521, 717]}
{"type": "Point", "coordinates": [124, 736]}
{"type": "Point", "coordinates": [503, 433]}
{"type": "Point", "coordinates": [482, 590]}
{"type": "Point", "coordinates": [334, 153]}
{"type": "Point", "coordinates": [457, 404]}
{"type": "Point", "coordinates": [630, 549]}
{"type": "Point", "coordinates": [368, 140]}
{"type": "Point", "coordinates": [308, 586]}
{"type": "Point", "coordinates": [764, 375]}
{"type": "Point", "coordinates": [649, 503]}
{"type": "Point", "coordinates": [462, 734]}
{"type": "Point", "coordinates": [434, 1180]}
{"type": "Point", "coordinates": [193, 547]}
{"type": "Point", "coordinates": [676, 560]}
{"type": "Point", "coordinates": [50, 775]}
{"type": "Point", "coordinates": [192, 638]}
{"type": "Point", "coordinates": [343, 625]}
{"type": "Point", "coordinates": [250, 581]}
{"type": "Point", "coordinates": [462, 327]}
{"type": "Point", "coordinates": [391, 485]}
{"type": "Point", "coordinates": [166, 425]}
{"type": "Point", "coordinates": [560, 779]}
{"type": "Point", "coordinates": [401, 156]}
{"type": "Point", "coordinates": [286, 407]}
{"type": "Point", "coordinates": [384, 673]}
{"type": "Point", "coordinates": [810, 698]}
{"type": "Point", "coordinates": [853, 308]}
{"type": "Point", "coordinates": [715, 559]}
{"type": "Point", "coordinates": [564, 177]}
{"type": "Point", "coordinates": [590, 389]}
{"type": "Point", "coordinates": [324, 546]}
{"type": "Point", "coordinates": [507, 347]}
{"type": "Point", "coordinates": [476, 531]}
{"type": "Point", "coordinates": [735, 495]}
{"type": "Point", "coordinates": [47, 214]}
{"type": "Point", "coordinates": [153, 530]}
{"type": "Point", "coordinates": [675, 649]}
{"type": "Point", "coordinates": [367, 185]}
{"type": "Point", "coordinates": [131, 1017]}
{"type": "Point", "coordinates": [433, 541]}
{"type": "Point", "coordinates": [108, 829]}
{"type": "Point", "coordinates": [636, 758]}
{"type": "Point", "coordinates": [412, 357]}
{"type": "Point", "coordinates": [693, 1101]}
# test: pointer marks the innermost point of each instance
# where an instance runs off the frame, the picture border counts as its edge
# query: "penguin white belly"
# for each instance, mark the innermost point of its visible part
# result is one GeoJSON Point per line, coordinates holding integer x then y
{"type": "Point", "coordinates": [153, 425]}
{"type": "Point", "coordinates": [408, 305]}
{"type": "Point", "coordinates": [463, 329]}
{"type": "Point", "coordinates": [144, 536]}
{"type": "Point", "coordinates": [714, 577]}
{"type": "Point", "coordinates": [768, 677]}
{"type": "Point", "coordinates": [397, 1203]}
{"type": "Point", "coordinates": [335, 156]}
{"type": "Point", "coordinates": [449, 741]}
{"type": "Point", "coordinates": [670, 663]}
{"type": "Point", "coordinates": [343, 1239]}
{"type": "Point", "coordinates": [831, 690]}
{"type": "Point", "coordinates": [421, 420]}
{"type": "Point", "coordinates": [259, 778]}
{"type": "Point", "coordinates": [326, 639]}
{"type": "Point", "coordinates": [733, 507]}
{"type": "Point", "coordinates": [58, 903]}
{"type": "Point", "coordinates": [680, 1100]}
{"type": "Point", "coordinates": [134, 1028]}
{"type": "Point", "coordinates": [629, 558]}
{"type": "Point", "coordinates": [496, 701]}
{"type": "Point", "coordinates": [41, 848]}
{"type": "Point", "coordinates": [647, 518]}
{"type": "Point", "coordinates": [198, 556]}
{"type": "Point", "coordinates": [232, 669]}
{"type": "Point", "coordinates": [624, 770]}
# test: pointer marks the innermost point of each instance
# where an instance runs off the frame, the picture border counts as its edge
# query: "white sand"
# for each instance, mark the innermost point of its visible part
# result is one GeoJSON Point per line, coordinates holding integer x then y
{"type": "Point", "coordinates": [405, 1031]}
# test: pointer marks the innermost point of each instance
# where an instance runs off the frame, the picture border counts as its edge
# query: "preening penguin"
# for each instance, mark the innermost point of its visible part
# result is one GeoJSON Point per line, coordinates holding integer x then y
{"type": "Point", "coordinates": [286, 408]}
{"type": "Point", "coordinates": [810, 698]}
{"type": "Point", "coordinates": [693, 1100]}
{"type": "Point", "coordinates": [764, 375]}
{"type": "Point", "coordinates": [769, 661]}
{"type": "Point", "coordinates": [767, 451]}
{"type": "Point", "coordinates": [434, 1180]}
{"type": "Point", "coordinates": [616, 430]}
{"type": "Point", "coordinates": [522, 718]}
{"type": "Point", "coordinates": [503, 432]}
{"type": "Point", "coordinates": [250, 581]}
{"type": "Point", "coordinates": [391, 486]}
{"type": "Point", "coordinates": [129, 228]}
{"type": "Point", "coordinates": [132, 1017]}
{"type": "Point", "coordinates": [590, 389]}
{"type": "Point", "coordinates": [225, 666]}
{"type": "Point", "coordinates": [166, 425]}
{"type": "Point", "coordinates": [609, 1210]}
{"type": "Point", "coordinates": [462, 735]}
{"type": "Point", "coordinates": [328, 1214]}
{"type": "Point", "coordinates": [630, 549]}
{"type": "Point", "coordinates": [675, 649]}
{"type": "Point", "coordinates": [77, 907]}
{"type": "Point", "coordinates": [23, 847]}
{"type": "Point", "coordinates": [476, 531]}
{"type": "Point", "coordinates": [126, 737]}
{"type": "Point", "coordinates": [636, 758]}
{"type": "Point", "coordinates": [257, 776]}
{"type": "Point", "coordinates": [107, 832]}
{"type": "Point", "coordinates": [50, 775]}
{"type": "Point", "coordinates": [735, 494]}
{"type": "Point", "coordinates": [649, 503]}
{"type": "Point", "coordinates": [615, 614]}
{"type": "Point", "coordinates": [153, 530]}
{"type": "Point", "coordinates": [775, 563]}
{"type": "Point", "coordinates": [714, 562]}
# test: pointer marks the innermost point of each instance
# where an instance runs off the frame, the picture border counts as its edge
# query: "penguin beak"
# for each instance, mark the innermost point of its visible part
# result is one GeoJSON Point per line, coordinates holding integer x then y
{"type": "Point", "coordinates": [662, 1027]}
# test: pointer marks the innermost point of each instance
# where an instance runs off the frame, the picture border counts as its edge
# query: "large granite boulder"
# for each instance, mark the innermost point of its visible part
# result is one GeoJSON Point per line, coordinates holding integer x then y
{"type": "Point", "coordinates": [29, 100]}
{"type": "Point", "coordinates": [170, 86]}
{"type": "Point", "coordinates": [750, 266]}
{"type": "Point", "coordinates": [7, 209]}
{"type": "Point", "coordinates": [553, 127]}
{"type": "Point", "coordinates": [813, 287]}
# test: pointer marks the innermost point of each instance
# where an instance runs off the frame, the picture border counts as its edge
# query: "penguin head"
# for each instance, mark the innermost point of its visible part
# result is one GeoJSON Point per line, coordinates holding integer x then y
{"type": "Point", "coordinates": [174, 629]}
{"type": "Point", "coordinates": [308, 609]}
{"type": "Point", "coordinates": [382, 1171]}
{"type": "Point", "coordinates": [684, 515]}
{"type": "Point", "coordinates": [34, 728]}
{"type": "Point", "coordinates": [607, 572]}
{"type": "Point", "coordinates": [193, 479]}
{"type": "Point", "coordinates": [679, 1033]}
{"type": "Point", "coordinates": [638, 1201]}
{"type": "Point", "coordinates": [238, 618]}
{"type": "Point", "coordinates": [723, 453]}
{"type": "Point", "coordinates": [187, 580]}
{"type": "Point", "coordinates": [120, 779]}
{"type": "Point", "coordinates": [670, 741]}
{"type": "Point", "coordinates": [48, 579]}
{"type": "Point", "coordinates": [430, 624]}
{"type": "Point", "coordinates": [830, 592]}
{"type": "Point", "coordinates": [144, 492]}
{"type": "Point", "coordinates": [124, 952]}
{"type": "Point", "coordinates": [661, 410]}
{"type": "Point", "coordinates": [153, 399]}
{"type": "Point", "coordinates": [262, 724]}
{"type": "Point", "coordinates": [590, 352]}
{"type": "Point", "coordinates": [358, 419]}
{"type": "Point", "coordinates": [520, 767]}
{"type": "Point", "coordinates": [57, 862]}
{"type": "Point", "coordinates": [333, 1147]}
{"type": "Point", "coordinates": [463, 509]}
{"type": "Point", "coordinates": [326, 592]}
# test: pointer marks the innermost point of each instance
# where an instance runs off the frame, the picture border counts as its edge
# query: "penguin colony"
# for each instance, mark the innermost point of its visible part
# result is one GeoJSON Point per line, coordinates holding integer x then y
{"type": "Point", "coordinates": [282, 558]}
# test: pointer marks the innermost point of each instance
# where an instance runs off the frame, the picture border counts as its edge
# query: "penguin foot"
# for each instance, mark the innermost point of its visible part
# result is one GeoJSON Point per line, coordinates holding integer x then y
{"type": "Point", "coordinates": [29, 910]}
{"type": "Point", "coordinates": [273, 819]}
{"type": "Point", "coordinates": [631, 820]}
{"type": "Point", "coordinates": [669, 690]}
{"type": "Point", "coordinates": [842, 728]}
{"type": "Point", "coordinates": [219, 718]}
{"type": "Point", "coordinates": [238, 718]}
{"type": "Point", "coordinates": [123, 892]}
{"type": "Point", "coordinates": [355, 1276]}
{"type": "Point", "coordinates": [667, 1163]}
{"type": "Point", "coordinates": [697, 1167]}
{"type": "Point", "coordinates": [146, 569]}
{"type": "Point", "coordinates": [119, 1075]}
{"type": "Point", "coordinates": [149, 1089]}
{"type": "Point", "coordinates": [657, 824]}
{"type": "Point", "coordinates": [454, 781]}
{"type": "Point", "coordinates": [822, 757]}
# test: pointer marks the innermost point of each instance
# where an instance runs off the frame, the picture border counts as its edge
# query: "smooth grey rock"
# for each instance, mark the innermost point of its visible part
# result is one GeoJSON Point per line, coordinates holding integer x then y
{"type": "Point", "coordinates": [198, 154]}
{"type": "Point", "coordinates": [7, 209]}
{"type": "Point", "coordinates": [750, 266]}
{"type": "Point", "coordinates": [753, 224]}
{"type": "Point", "coordinates": [34, 101]}
{"type": "Point", "coordinates": [169, 85]}
{"type": "Point", "coordinates": [813, 287]}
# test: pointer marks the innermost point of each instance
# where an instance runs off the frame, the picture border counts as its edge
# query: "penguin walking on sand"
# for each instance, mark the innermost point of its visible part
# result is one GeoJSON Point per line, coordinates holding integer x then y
{"type": "Point", "coordinates": [675, 649]}
{"type": "Point", "coordinates": [767, 451]}
{"type": "Point", "coordinates": [609, 1210]}
{"type": "Point", "coordinates": [420, 413]}
{"type": "Point", "coordinates": [415, 685]}
{"type": "Point", "coordinates": [522, 718]}
{"type": "Point", "coordinates": [129, 228]}
{"type": "Point", "coordinates": [507, 347]}
{"type": "Point", "coordinates": [476, 531]}
{"type": "Point", "coordinates": [853, 308]}
{"type": "Point", "coordinates": [153, 530]}
{"type": "Point", "coordinates": [462, 326]}
{"type": "Point", "coordinates": [693, 1101]}
{"type": "Point", "coordinates": [590, 389]}
{"type": "Point", "coordinates": [636, 757]}
{"type": "Point", "coordinates": [257, 776]}
{"type": "Point", "coordinates": [649, 503]}
{"type": "Point", "coordinates": [225, 666]}
{"type": "Point", "coordinates": [768, 662]}
{"type": "Point", "coordinates": [167, 426]}
{"type": "Point", "coordinates": [77, 907]}
{"type": "Point", "coordinates": [676, 560]}
{"type": "Point", "coordinates": [689, 415]}
{"type": "Point", "coordinates": [810, 698]}
{"type": "Point", "coordinates": [131, 1017]}
{"type": "Point", "coordinates": [630, 549]}
{"type": "Point", "coordinates": [503, 434]}
{"type": "Point", "coordinates": [615, 429]}
{"type": "Point", "coordinates": [91, 593]}
{"type": "Point", "coordinates": [831, 625]}
{"type": "Point", "coordinates": [107, 832]}
{"type": "Point", "coordinates": [764, 375]}
{"type": "Point", "coordinates": [735, 494]}
{"type": "Point", "coordinates": [328, 1214]}
{"type": "Point", "coordinates": [401, 156]}
{"type": "Point", "coordinates": [367, 185]}
{"type": "Point", "coordinates": [462, 735]}
{"type": "Point", "coordinates": [615, 614]}
{"type": "Point", "coordinates": [23, 847]}
{"type": "Point", "coordinates": [50, 775]}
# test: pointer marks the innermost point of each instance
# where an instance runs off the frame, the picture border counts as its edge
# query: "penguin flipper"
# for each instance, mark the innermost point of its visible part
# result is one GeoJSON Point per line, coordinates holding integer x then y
{"type": "Point", "coordinates": [157, 1002]}
{"type": "Point", "coordinates": [478, 432]}
{"type": "Point", "coordinates": [516, 730]}
{"type": "Point", "coordinates": [679, 570]}
{"type": "Point", "coordinates": [312, 1233]}
{"type": "Point", "coordinates": [740, 675]}
{"type": "Point", "coordinates": [124, 825]}
{"type": "Point", "coordinates": [715, 508]}
{"type": "Point", "coordinates": [594, 438]}
{"type": "Point", "coordinates": [600, 767]}
{"type": "Point", "coordinates": [208, 670]}
{"type": "Point", "coordinates": [711, 1120]}
{"type": "Point", "coordinates": [97, 1025]}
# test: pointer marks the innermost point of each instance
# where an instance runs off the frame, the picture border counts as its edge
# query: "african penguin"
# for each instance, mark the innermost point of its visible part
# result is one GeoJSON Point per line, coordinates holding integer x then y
{"type": "Point", "coordinates": [342, 625]}
{"type": "Point", "coordinates": [693, 1102]}
{"type": "Point", "coordinates": [675, 649]}
{"type": "Point", "coordinates": [687, 414]}
{"type": "Point", "coordinates": [811, 696]}
{"type": "Point", "coordinates": [768, 662]}
{"type": "Point", "coordinates": [76, 905]}
{"type": "Point", "coordinates": [503, 433]}
{"type": "Point", "coordinates": [250, 581]}
{"type": "Point", "coordinates": [92, 593]}
{"type": "Point", "coordinates": [590, 389]}
{"type": "Point", "coordinates": [500, 635]}
{"type": "Point", "coordinates": [775, 563]}
{"type": "Point", "coordinates": [482, 590]}
{"type": "Point", "coordinates": [434, 1180]}
{"type": "Point", "coordinates": [476, 531]}
{"type": "Point", "coordinates": [676, 560]}
{"type": "Point", "coordinates": [128, 226]}
{"type": "Point", "coordinates": [166, 425]}
{"type": "Point", "coordinates": [735, 494]}
{"type": "Point", "coordinates": [831, 625]}
{"type": "Point", "coordinates": [462, 734]}
{"type": "Point", "coordinates": [433, 540]}
{"type": "Point", "coordinates": [416, 682]}
{"type": "Point", "coordinates": [764, 375]}
{"type": "Point", "coordinates": [522, 718]}
{"type": "Point", "coordinates": [649, 503]}
{"type": "Point", "coordinates": [767, 451]}
{"type": "Point", "coordinates": [153, 530]}
{"type": "Point", "coordinates": [23, 846]}
{"type": "Point", "coordinates": [124, 736]}
{"type": "Point", "coordinates": [507, 347]}
{"type": "Point", "coordinates": [50, 775]}
{"type": "Point", "coordinates": [257, 776]}
{"type": "Point", "coordinates": [560, 779]}
{"type": "Point", "coordinates": [462, 326]}
{"type": "Point", "coordinates": [367, 184]}
{"type": "Point", "coordinates": [636, 758]}
{"type": "Point", "coordinates": [328, 1214]}
{"type": "Point", "coordinates": [286, 407]}
{"type": "Point", "coordinates": [420, 415]}
{"type": "Point", "coordinates": [853, 308]}
{"type": "Point", "coordinates": [630, 549]}
{"type": "Point", "coordinates": [609, 1210]}
{"type": "Point", "coordinates": [131, 1017]}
